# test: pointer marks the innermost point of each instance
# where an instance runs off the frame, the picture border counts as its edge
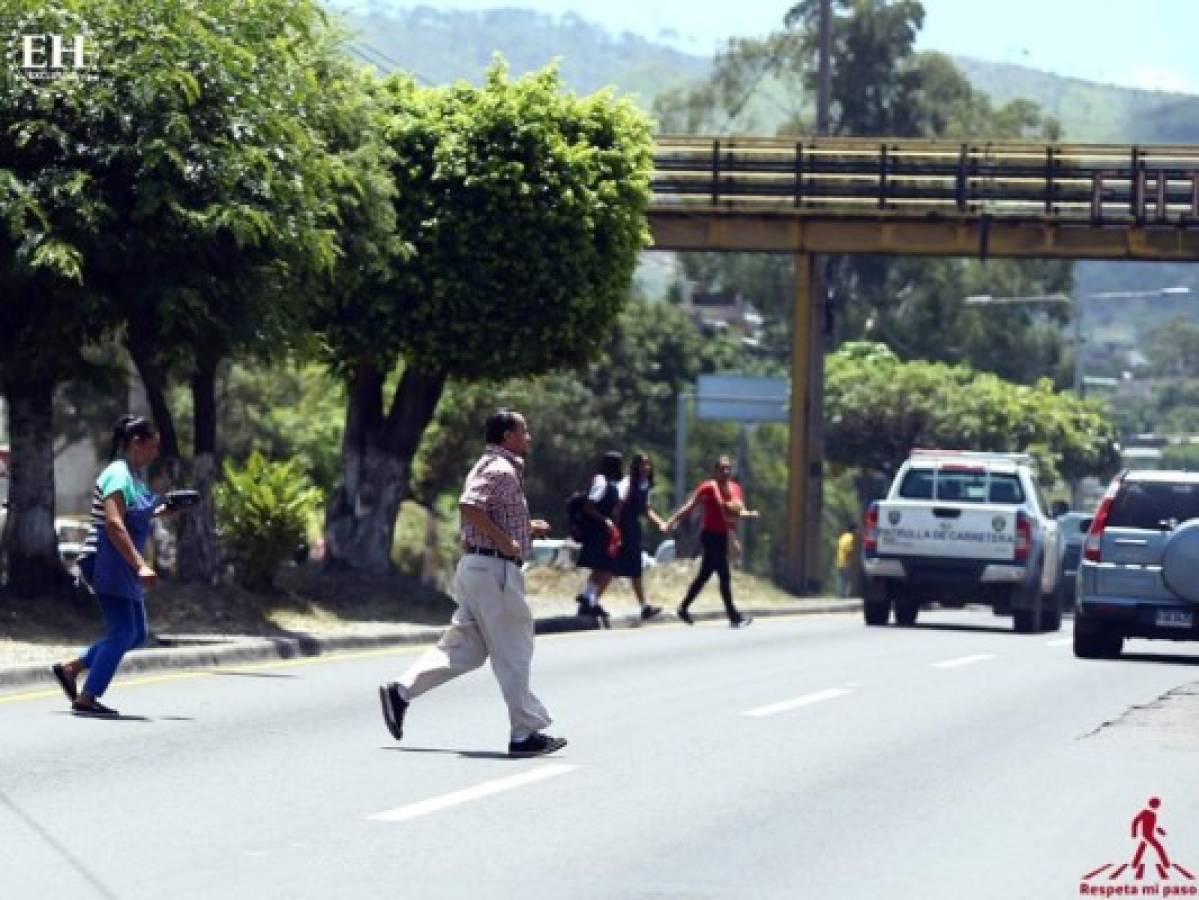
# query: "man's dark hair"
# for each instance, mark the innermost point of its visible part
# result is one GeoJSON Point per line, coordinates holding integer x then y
{"type": "Point", "coordinates": [611, 465]}
{"type": "Point", "coordinates": [499, 423]}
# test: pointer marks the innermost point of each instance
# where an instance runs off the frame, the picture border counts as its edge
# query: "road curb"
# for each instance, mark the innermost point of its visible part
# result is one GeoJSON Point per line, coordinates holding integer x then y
{"type": "Point", "coordinates": [218, 652]}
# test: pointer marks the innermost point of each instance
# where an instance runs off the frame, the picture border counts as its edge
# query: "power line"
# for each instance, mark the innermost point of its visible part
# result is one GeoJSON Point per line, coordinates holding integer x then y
{"type": "Point", "coordinates": [389, 64]}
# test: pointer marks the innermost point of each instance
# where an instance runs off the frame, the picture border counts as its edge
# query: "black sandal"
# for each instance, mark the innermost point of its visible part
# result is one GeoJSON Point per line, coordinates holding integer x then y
{"type": "Point", "coordinates": [95, 708]}
{"type": "Point", "coordinates": [64, 681]}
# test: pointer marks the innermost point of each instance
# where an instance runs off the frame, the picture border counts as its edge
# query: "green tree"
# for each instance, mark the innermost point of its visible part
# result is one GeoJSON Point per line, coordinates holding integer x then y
{"type": "Point", "coordinates": [49, 210]}
{"type": "Point", "coordinates": [211, 149]}
{"type": "Point", "coordinates": [1173, 348]}
{"type": "Point", "coordinates": [879, 408]}
{"type": "Point", "coordinates": [236, 138]}
{"type": "Point", "coordinates": [524, 208]}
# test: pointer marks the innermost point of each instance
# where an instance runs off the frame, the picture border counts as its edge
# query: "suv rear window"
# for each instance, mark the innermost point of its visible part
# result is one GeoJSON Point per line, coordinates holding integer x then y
{"type": "Point", "coordinates": [1149, 504]}
{"type": "Point", "coordinates": [961, 486]}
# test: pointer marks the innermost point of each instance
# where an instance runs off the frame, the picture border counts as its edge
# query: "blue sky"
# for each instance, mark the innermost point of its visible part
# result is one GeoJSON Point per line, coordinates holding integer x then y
{"type": "Point", "coordinates": [1148, 44]}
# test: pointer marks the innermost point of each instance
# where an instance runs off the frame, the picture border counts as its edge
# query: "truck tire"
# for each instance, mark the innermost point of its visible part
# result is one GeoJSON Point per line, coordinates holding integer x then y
{"type": "Point", "coordinates": [876, 603]}
{"type": "Point", "coordinates": [1096, 642]}
{"type": "Point", "coordinates": [1051, 611]}
{"type": "Point", "coordinates": [907, 609]}
{"type": "Point", "coordinates": [1024, 621]}
{"type": "Point", "coordinates": [1026, 607]}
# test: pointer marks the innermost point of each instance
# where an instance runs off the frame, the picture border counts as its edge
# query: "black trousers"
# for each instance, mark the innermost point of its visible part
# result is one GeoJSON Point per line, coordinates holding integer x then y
{"type": "Point", "coordinates": [715, 559]}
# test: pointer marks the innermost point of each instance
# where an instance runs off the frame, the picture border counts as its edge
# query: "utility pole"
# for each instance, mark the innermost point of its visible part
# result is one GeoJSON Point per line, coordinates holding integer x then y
{"type": "Point", "coordinates": [825, 73]}
{"type": "Point", "coordinates": [820, 333]}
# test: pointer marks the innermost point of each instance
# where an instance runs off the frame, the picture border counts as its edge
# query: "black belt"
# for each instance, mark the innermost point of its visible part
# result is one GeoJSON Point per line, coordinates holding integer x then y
{"type": "Point", "coordinates": [487, 551]}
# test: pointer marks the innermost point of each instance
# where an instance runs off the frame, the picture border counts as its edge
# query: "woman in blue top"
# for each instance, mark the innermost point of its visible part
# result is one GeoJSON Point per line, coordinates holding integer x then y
{"type": "Point", "coordinates": [122, 512]}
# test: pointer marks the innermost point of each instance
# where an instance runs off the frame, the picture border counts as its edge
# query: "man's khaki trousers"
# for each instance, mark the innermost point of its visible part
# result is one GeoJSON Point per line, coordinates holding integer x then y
{"type": "Point", "coordinates": [493, 619]}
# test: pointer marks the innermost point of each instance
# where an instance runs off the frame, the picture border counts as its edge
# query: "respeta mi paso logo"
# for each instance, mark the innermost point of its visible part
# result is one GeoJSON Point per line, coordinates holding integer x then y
{"type": "Point", "coordinates": [49, 46]}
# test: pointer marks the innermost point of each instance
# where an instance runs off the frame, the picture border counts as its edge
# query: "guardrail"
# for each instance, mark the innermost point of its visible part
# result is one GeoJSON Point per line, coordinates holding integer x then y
{"type": "Point", "coordinates": [1093, 183]}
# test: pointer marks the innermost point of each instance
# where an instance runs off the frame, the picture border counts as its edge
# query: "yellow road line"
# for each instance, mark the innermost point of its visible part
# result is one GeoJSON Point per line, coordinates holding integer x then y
{"type": "Point", "coordinates": [225, 669]}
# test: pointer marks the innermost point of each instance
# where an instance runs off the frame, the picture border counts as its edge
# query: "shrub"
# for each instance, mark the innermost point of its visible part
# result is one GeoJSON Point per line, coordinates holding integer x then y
{"type": "Point", "coordinates": [263, 509]}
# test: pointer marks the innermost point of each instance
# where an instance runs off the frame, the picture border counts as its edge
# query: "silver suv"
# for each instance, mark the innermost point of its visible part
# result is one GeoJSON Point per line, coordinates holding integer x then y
{"type": "Point", "coordinates": [1139, 573]}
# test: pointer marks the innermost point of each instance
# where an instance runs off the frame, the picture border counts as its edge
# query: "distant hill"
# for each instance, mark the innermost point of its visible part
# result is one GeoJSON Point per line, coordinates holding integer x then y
{"type": "Point", "coordinates": [445, 45]}
{"type": "Point", "coordinates": [1090, 111]}
{"type": "Point", "coordinates": [441, 46]}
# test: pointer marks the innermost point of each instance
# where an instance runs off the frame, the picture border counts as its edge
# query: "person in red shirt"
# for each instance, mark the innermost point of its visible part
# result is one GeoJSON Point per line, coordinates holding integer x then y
{"type": "Point", "coordinates": [723, 504]}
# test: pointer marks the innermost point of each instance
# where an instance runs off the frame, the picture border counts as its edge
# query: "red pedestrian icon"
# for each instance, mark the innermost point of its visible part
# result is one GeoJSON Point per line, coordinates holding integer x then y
{"type": "Point", "coordinates": [1147, 832]}
{"type": "Point", "coordinates": [1144, 825]}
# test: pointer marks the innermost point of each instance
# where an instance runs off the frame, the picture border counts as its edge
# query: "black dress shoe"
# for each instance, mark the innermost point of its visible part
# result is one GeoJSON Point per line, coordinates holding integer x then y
{"type": "Point", "coordinates": [648, 611]}
{"type": "Point", "coordinates": [743, 622]}
{"type": "Point", "coordinates": [394, 707]}
{"type": "Point", "coordinates": [536, 744]}
{"type": "Point", "coordinates": [682, 613]}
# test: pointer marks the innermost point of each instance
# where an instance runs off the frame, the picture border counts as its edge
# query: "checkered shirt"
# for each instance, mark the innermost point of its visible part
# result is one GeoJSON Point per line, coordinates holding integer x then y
{"type": "Point", "coordinates": [496, 485]}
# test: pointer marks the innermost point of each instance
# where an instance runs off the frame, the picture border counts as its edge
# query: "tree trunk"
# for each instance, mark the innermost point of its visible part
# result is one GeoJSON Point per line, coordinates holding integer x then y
{"type": "Point", "coordinates": [29, 541]}
{"type": "Point", "coordinates": [377, 457]}
{"type": "Point", "coordinates": [198, 554]}
{"type": "Point", "coordinates": [154, 377]}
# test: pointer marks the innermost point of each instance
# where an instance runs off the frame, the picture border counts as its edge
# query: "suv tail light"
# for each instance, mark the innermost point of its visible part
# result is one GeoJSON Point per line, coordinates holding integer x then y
{"type": "Point", "coordinates": [1094, 540]}
{"type": "Point", "coordinates": [870, 530]}
{"type": "Point", "coordinates": [1023, 537]}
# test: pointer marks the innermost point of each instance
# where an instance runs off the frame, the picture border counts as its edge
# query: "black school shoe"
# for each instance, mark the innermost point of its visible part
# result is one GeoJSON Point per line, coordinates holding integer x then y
{"type": "Point", "coordinates": [648, 611]}
{"type": "Point", "coordinates": [593, 611]}
{"type": "Point", "coordinates": [742, 622]}
{"type": "Point", "coordinates": [394, 707]}
{"type": "Point", "coordinates": [536, 744]}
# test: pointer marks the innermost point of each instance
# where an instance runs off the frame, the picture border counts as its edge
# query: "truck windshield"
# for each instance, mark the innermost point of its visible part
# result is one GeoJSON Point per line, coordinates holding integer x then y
{"type": "Point", "coordinates": [961, 486]}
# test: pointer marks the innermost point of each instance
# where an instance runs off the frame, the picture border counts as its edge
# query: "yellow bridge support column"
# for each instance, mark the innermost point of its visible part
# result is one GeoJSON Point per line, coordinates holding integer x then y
{"type": "Point", "coordinates": [804, 452]}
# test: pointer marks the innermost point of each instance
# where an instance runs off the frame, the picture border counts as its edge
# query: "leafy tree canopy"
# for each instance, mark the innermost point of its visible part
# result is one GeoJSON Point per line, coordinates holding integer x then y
{"type": "Point", "coordinates": [524, 207]}
{"type": "Point", "coordinates": [878, 408]}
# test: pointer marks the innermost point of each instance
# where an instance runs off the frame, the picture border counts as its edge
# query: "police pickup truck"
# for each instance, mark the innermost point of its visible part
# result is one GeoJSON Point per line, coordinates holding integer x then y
{"type": "Point", "coordinates": [959, 527]}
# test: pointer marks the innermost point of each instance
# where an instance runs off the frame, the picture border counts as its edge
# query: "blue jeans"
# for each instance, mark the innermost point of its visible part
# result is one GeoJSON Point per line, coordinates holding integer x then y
{"type": "Point", "coordinates": [127, 628]}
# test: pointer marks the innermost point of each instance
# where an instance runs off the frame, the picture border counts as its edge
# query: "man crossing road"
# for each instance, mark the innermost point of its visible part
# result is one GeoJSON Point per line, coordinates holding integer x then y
{"type": "Point", "coordinates": [493, 618]}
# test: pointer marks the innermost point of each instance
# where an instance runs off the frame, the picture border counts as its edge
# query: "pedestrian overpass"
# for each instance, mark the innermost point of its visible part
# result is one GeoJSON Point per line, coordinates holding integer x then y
{"type": "Point", "coordinates": [808, 196]}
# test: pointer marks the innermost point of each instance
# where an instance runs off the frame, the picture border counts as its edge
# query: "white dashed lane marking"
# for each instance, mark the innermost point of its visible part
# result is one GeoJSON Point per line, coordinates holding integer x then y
{"type": "Point", "coordinates": [787, 705]}
{"type": "Point", "coordinates": [963, 661]}
{"type": "Point", "coordinates": [457, 798]}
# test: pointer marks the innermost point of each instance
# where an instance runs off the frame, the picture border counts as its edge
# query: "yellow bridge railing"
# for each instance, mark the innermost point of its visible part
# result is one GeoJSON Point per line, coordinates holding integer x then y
{"type": "Point", "coordinates": [1096, 184]}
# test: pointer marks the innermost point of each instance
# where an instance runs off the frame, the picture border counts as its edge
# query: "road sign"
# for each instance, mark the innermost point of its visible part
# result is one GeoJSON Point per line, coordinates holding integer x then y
{"type": "Point", "coordinates": [742, 398]}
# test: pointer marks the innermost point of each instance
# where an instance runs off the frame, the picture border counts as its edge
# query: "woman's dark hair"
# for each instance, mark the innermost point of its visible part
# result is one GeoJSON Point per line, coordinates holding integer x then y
{"type": "Point", "coordinates": [126, 429]}
{"type": "Point", "coordinates": [638, 463]}
{"type": "Point", "coordinates": [611, 465]}
{"type": "Point", "coordinates": [499, 423]}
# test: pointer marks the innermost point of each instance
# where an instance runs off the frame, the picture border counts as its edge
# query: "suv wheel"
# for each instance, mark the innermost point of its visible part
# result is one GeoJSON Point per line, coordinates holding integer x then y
{"type": "Point", "coordinates": [1096, 643]}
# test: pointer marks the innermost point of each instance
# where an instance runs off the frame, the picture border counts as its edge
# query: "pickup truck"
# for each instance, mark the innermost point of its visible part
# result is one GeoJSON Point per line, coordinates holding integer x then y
{"type": "Point", "coordinates": [959, 527]}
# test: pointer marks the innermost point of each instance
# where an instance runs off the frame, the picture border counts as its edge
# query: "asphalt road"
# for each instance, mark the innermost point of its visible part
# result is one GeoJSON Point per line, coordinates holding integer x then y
{"type": "Point", "coordinates": [802, 757]}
